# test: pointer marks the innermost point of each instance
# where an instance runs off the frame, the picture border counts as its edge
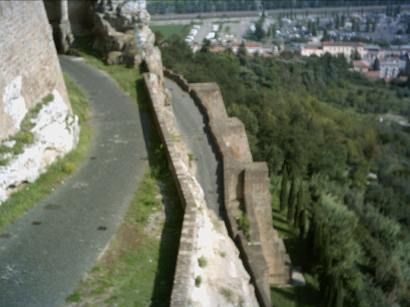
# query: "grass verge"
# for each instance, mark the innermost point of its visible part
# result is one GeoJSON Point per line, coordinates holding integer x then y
{"type": "Point", "coordinates": [138, 267]}
{"type": "Point", "coordinates": [125, 77]}
{"type": "Point", "coordinates": [20, 202]}
{"type": "Point", "coordinates": [307, 296]}
{"type": "Point", "coordinates": [171, 29]}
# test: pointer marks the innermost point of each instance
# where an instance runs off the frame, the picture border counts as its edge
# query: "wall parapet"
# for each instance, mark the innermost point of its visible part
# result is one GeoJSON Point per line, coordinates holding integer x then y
{"type": "Point", "coordinates": [184, 267]}
{"type": "Point", "coordinates": [246, 190]}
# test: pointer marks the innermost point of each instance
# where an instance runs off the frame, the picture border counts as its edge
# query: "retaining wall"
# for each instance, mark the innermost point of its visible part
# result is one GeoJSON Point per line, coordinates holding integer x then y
{"type": "Point", "coordinates": [164, 121]}
{"type": "Point", "coordinates": [246, 189]}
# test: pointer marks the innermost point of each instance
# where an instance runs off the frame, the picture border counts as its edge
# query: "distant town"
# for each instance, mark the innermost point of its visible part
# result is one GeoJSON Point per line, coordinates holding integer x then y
{"type": "Point", "coordinates": [376, 44]}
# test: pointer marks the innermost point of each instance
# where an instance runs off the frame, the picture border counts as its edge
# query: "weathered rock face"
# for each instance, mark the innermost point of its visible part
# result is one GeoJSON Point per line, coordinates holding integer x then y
{"type": "Point", "coordinates": [116, 23]}
{"type": "Point", "coordinates": [122, 14]}
{"type": "Point", "coordinates": [55, 133]}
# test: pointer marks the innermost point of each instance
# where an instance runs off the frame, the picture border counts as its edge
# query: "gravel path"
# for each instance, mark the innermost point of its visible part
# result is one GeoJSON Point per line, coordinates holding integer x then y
{"type": "Point", "coordinates": [51, 248]}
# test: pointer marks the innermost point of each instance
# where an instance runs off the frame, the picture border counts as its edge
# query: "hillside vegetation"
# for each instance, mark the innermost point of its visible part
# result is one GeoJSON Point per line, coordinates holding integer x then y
{"type": "Point", "coordinates": [339, 176]}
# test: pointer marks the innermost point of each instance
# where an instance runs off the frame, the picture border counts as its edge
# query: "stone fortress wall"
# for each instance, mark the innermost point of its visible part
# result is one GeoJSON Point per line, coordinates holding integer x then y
{"type": "Point", "coordinates": [29, 69]}
{"type": "Point", "coordinates": [163, 120]}
{"type": "Point", "coordinates": [246, 189]}
{"type": "Point", "coordinates": [203, 234]}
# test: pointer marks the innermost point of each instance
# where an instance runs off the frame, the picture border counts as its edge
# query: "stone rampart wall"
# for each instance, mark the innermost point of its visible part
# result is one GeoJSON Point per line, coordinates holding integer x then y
{"type": "Point", "coordinates": [246, 188]}
{"type": "Point", "coordinates": [164, 121]}
{"type": "Point", "coordinates": [29, 65]}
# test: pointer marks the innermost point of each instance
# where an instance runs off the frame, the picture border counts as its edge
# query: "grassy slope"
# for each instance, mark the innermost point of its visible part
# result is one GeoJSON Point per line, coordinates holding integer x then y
{"type": "Point", "coordinates": [19, 203]}
{"type": "Point", "coordinates": [138, 266]}
{"type": "Point", "coordinates": [169, 30]}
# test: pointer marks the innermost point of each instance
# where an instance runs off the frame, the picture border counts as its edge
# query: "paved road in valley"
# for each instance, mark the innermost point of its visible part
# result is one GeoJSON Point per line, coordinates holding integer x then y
{"type": "Point", "coordinates": [226, 15]}
{"type": "Point", "coordinates": [48, 251]}
{"type": "Point", "coordinates": [192, 126]}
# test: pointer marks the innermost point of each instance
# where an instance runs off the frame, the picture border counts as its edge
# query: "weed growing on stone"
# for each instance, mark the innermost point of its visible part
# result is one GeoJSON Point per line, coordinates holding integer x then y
{"type": "Point", "coordinates": [202, 262]}
{"type": "Point", "coordinates": [74, 298]}
{"type": "Point", "coordinates": [244, 225]}
{"type": "Point", "coordinates": [198, 281]}
{"type": "Point", "coordinates": [227, 294]}
{"type": "Point", "coordinates": [24, 137]}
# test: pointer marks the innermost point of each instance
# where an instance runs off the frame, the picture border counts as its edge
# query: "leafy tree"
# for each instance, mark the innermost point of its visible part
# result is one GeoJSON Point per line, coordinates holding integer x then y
{"type": "Point", "coordinates": [407, 68]}
{"type": "Point", "coordinates": [259, 30]}
{"type": "Point", "coordinates": [242, 53]}
{"type": "Point", "coordinates": [355, 56]}
{"type": "Point", "coordinates": [206, 45]}
{"type": "Point", "coordinates": [338, 22]}
{"type": "Point", "coordinates": [326, 37]}
{"type": "Point", "coordinates": [273, 31]}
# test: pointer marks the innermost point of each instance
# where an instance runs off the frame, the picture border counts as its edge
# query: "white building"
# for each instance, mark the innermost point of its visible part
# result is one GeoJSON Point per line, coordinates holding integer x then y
{"type": "Point", "coordinates": [335, 48]}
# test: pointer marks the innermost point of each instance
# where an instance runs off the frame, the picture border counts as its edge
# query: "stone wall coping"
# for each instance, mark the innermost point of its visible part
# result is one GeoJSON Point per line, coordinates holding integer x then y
{"type": "Point", "coordinates": [184, 268]}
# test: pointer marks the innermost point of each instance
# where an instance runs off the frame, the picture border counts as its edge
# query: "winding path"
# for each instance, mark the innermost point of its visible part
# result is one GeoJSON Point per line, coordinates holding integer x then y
{"type": "Point", "coordinates": [41, 263]}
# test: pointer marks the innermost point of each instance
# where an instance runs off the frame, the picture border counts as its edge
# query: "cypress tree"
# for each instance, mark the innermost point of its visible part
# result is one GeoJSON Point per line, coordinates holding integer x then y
{"type": "Point", "coordinates": [310, 241]}
{"type": "Point", "coordinates": [292, 201]}
{"type": "Point", "coordinates": [299, 204]}
{"type": "Point", "coordinates": [376, 64]}
{"type": "Point", "coordinates": [339, 293]}
{"type": "Point", "coordinates": [284, 188]}
{"type": "Point", "coordinates": [302, 223]}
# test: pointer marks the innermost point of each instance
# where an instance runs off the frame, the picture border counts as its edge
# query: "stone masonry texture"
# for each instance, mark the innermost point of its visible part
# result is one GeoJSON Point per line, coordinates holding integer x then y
{"type": "Point", "coordinates": [27, 50]}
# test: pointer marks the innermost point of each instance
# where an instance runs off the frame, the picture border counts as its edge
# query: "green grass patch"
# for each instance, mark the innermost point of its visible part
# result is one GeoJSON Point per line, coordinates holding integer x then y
{"type": "Point", "coordinates": [171, 29]}
{"type": "Point", "coordinates": [138, 267]}
{"type": "Point", "coordinates": [125, 77]}
{"type": "Point", "coordinates": [125, 276]}
{"type": "Point", "coordinates": [198, 281]}
{"type": "Point", "coordinates": [202, 262]}
{"type": "Point", "coordinates": [20, 202]}
{"type": "Point", "coordinates": [227, 294]}
{"type": "Point", "coordinates": [307, 296]}
{"type": "Point", "coordinates": [244, 225]}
